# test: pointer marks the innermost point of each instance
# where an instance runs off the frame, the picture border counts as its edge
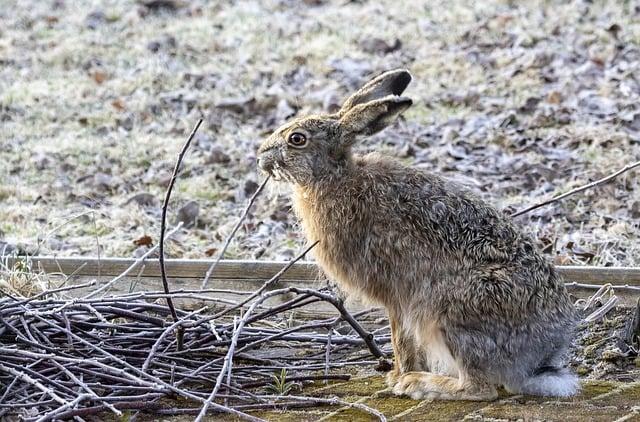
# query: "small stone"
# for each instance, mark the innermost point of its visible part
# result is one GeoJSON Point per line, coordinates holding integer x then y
{"type": "Point", "coordinates": [55, 244]}
{"type": "Point", "coordinates": [156, 5]}
{"type": "Point", "coordinates": [188, 213]}
{"type": "Point", "coordinates": [635, 209]}
{"type": "Point", "coordinates": [384, 365]}
{"type": "Point", "coordinates": [529, 105]}
{"type": "Point", "coordinates": [217, 156]}
{"type": "Point", "coordinates": [41, 161]}
{"type": "Point", "coordinates": [7, 248]}
{"type": "Point", "coordinates": [449, 135]}
{"type": "Point", "coordinates": [103, 181]}
{"type": "Point", "coordinates": [125, 123]}
{"type": "Point", "coordinates": [95, 19]}
{"type": "Point", "coordinates": [166, 42]}
{"type": "Point", "coordinates": [380, 46]}
{"type": "Point", "coordinates": [250, 187]}
{"type": "Point", "coordinates": [144, 199]}
{"type": "Point", "coordinates": [154, 46]}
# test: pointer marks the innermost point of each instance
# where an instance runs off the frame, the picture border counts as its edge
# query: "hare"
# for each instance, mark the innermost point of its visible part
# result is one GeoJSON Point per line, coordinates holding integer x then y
{"type": "Point", "coordinates": [472, 304]}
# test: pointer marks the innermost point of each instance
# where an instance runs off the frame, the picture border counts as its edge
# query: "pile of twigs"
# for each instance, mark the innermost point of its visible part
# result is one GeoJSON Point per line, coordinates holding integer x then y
{"type": "Point", "coordinates": [64, 358]}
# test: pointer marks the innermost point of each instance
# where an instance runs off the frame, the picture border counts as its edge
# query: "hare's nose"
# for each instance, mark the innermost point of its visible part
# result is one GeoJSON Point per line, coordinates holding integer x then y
{"type": "Point", "coordinates": [265, 165]}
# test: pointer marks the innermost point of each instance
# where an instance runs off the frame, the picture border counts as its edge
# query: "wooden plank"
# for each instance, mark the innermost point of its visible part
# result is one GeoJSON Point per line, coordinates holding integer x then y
{"type": "Point", "coordinates": [601, 275]}
{"type": "Point", "coordinates": [176, 268]}
{"type": "Point", "coordinates": [262, 270]}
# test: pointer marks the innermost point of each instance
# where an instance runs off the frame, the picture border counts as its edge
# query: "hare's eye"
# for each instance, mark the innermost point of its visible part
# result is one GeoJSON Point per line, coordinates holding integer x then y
{"type": "Point", "coordinates": [297, 140]}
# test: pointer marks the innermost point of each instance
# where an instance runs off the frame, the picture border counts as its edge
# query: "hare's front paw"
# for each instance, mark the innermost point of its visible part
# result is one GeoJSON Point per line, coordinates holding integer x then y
{"type": "Point", "coordinates": [393, 375]}
{"type": "Point", "coordinates": [417, 385]}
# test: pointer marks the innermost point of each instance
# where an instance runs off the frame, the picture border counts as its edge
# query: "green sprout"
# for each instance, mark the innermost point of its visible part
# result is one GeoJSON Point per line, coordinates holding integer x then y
{"type": "Point", "coordinates": [280, 385]}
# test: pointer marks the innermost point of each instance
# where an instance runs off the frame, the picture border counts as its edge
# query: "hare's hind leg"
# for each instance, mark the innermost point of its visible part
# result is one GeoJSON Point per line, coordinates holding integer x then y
{"type": "Point", "coordinates": [426, 385]}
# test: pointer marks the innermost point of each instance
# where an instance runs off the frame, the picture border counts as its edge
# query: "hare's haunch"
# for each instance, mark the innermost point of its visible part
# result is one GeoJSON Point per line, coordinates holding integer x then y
{"type": "Point", "coordinates": [471, 302]}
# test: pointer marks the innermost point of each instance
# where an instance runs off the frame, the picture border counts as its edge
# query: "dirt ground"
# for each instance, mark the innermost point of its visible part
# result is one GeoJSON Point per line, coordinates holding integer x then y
{"type": "Point", "coordinates": [519, 100]}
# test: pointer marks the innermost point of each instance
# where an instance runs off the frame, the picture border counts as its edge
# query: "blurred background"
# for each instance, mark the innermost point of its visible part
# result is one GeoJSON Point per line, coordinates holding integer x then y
{"type": "Point", "coordinates": [517, 100]}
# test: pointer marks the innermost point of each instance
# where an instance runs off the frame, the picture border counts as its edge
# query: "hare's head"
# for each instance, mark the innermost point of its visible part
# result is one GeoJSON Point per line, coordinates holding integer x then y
{"type": "Point", "coordinates": [313, 147]}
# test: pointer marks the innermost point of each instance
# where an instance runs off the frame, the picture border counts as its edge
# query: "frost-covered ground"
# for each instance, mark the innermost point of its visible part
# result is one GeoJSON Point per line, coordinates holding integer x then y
{"type": "Point", "coordinates": [520, 100]}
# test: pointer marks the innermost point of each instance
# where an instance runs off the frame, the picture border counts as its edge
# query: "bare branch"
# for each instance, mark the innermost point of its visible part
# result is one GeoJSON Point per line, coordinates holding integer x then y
{"type": "Point", "coordinates": [163, 224]}
{"type": "Point", "coordinates": [579, 189]}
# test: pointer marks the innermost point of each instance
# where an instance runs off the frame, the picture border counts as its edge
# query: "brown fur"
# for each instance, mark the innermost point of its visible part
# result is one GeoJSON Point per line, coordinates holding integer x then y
{"type": "Point", "coordinates": [471, 302]}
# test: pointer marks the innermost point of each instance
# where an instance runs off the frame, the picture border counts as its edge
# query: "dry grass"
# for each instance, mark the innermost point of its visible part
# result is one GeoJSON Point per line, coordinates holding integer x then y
{"type": "Point", "coordinates": [21, 280]}
{"type": "Point", "coordinates": [97, 97]}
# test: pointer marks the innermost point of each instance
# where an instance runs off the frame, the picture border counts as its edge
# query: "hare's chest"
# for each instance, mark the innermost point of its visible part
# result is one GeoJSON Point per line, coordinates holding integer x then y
{"type": "Point", "coordinates": [342, 246]}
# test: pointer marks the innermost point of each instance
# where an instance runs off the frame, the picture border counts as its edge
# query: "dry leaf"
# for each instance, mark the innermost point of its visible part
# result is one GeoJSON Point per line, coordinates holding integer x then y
{"type": "Point", "coordinates": [211, 251]}
{"type": "Point", "coordinates": [143, 241]}
{"type": "Point", "coordinates": [118, 104]}
{"type": "Point", "coordinates": [99, 76]}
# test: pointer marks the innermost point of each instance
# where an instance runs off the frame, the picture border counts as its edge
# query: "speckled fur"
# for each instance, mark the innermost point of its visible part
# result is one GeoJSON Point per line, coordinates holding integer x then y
{"type": "Point", "coordinates": [472, 303]}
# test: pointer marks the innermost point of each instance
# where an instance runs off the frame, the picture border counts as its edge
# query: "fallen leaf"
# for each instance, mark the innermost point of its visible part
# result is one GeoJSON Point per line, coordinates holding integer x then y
{"type": "Point", "coordinates": [99, 76]}
{"type": "Point", "coordinates": [211, 251]}
{"type": "Point", "coordinates": [143, 241]}
{"type": "Point", "coordinates": [118, 104]}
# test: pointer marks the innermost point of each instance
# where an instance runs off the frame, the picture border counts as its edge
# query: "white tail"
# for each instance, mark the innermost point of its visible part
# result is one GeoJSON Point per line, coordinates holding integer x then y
{"type": "Point", "coordinates": [556, 383]}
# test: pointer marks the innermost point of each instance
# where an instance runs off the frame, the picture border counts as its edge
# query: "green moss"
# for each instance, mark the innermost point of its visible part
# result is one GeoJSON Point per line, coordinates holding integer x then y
{"type": "Point", "coordinates": [443, 411]}
{"type": "Point", "coordinates": [583, 370]}
{"type": "Point", "coordinates": [591, 389]}
{"type": "Point", "coordinates": [574, 412]}
{"type": "Point", "coordinates": [352, 414]}
{"type": "Point", "coordinates": [312, 414]}
{"type": "Point", "coordinates": [359, 387]}
{"type": "Point", "coordinates": [391, 406]}
{"type": "Point", "coordinates": [626, 398]}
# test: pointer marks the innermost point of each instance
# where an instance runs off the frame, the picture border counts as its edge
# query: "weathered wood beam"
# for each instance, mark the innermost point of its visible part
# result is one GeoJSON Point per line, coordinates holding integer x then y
{"type": "Point", "coordinates": [260, 270]}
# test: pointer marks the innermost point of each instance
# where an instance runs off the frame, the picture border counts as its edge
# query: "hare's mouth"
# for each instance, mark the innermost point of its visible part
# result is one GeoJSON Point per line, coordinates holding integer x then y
{"type": "Point", "coordinates": [273, 167]}
{"type": "Point", "coordinates": [279, 174]}
{"type": "Point", "coordinates": [274, 170]}
{"type": "Point", "coordinates": [275, 173]}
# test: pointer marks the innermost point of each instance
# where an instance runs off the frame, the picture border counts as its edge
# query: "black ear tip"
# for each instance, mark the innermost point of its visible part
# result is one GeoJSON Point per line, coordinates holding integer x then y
{"type": "Point", "coordinates": [400, 82]}
{"type": "Point", "coordinates": [400, 103]}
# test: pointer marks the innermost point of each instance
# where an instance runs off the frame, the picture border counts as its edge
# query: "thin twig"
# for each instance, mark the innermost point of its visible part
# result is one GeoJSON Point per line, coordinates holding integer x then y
{"type": "Point", "coordinates": [339, 305]}
{"type": "Point", "coordinates": [228, 360]}
{"type": "Point", "coordinates": [578, 189]}
{"type": "Point", "coordinates": [163, 223]}
{"type": "Point", "coordinates": [233, 233]}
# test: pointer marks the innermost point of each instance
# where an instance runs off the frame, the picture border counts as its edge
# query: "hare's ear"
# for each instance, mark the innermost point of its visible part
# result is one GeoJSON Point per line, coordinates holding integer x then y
{"type": "Point", "coordinates": [393, 82]}
{"type": "Point", "coordinates": [369, 118]}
